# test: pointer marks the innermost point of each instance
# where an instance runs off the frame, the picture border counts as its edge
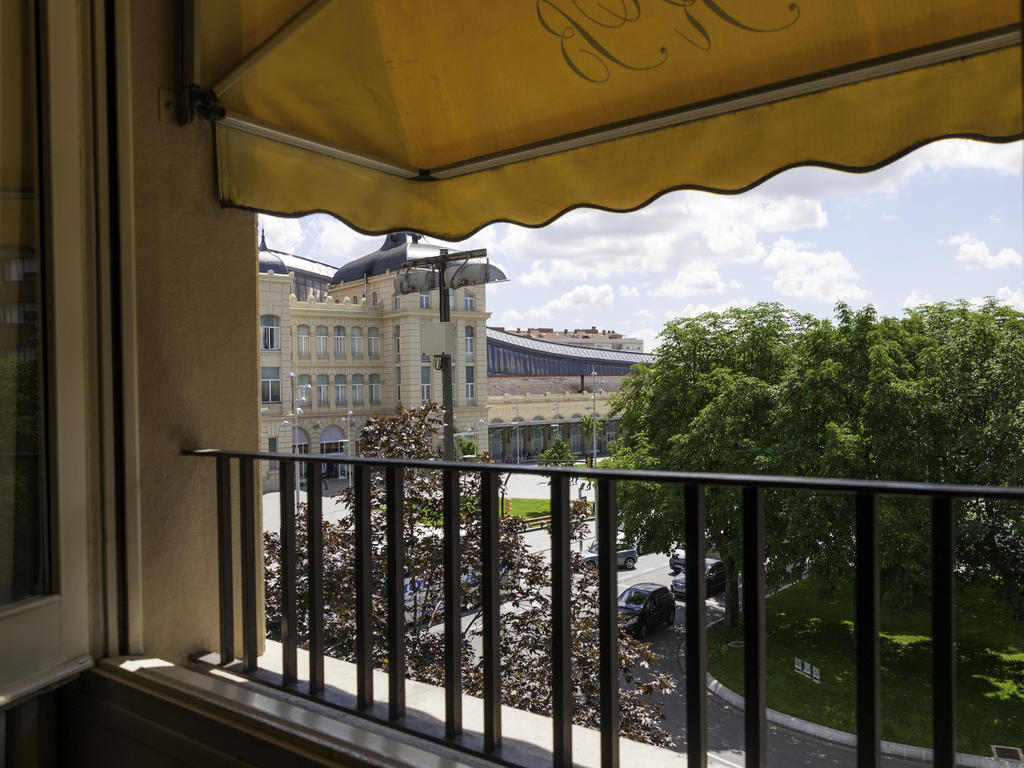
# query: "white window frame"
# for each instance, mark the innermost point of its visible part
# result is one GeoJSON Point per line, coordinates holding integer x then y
{"type": "Point", "coordinates": [356, 346]}
{"type": "Point", "coordinates": [302, 341]}
{"type": "Point", "coordinates": [340, 389]}
{"type": "Point", "coordinates": [424, 299]}
{"type": "Point", "coordinates": [271, 385]}
{"type": "Point", "coordinates": [373, 341]}
{"type": "Point", "coordinates": [470, 342]}
{"type": "Point", "coordinates": [357, 389]}
{"type": "Point", "coordinates": [323, 390]}
{"type": "Point", "coordinates": [374, 389]}
{"type": "Point", "coordinates": [339, 341]}
{"type": "Point", "coordinates": [321, 341]}
{"type": "Point", "coordinates": [270, 334]}
{"type": "Point", "coordinates": [468, 301]}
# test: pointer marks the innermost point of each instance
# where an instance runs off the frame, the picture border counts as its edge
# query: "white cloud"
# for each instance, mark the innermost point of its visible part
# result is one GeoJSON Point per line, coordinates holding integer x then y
{"type": "Point", "coordinates": [582, 297]}
{"type": "Point", "coordinates": [285, 235]}
{"type": "Point", "coordinates": [915, 299]}
{"type": "Point", "coordinates": [648, 336]}
{"type": "Point", "coordinates": [994, 219]}
{"type": "Point", "coordinates": [975, 253]}
{"type": "Point", "coordinates": [827, 276]}
{"type": "Point", "coordinates": [1015, 298]}
{"type": "Point", "coordinates": [646, 315]}
{"type": "Point", "coordinates": [625, 290]}
{"type": "Point", "coordinates": [888, 217]}
{"type": "Point", "coordinates": [510, 317]}
{"type": "Point", "coordinates": [700, 277]}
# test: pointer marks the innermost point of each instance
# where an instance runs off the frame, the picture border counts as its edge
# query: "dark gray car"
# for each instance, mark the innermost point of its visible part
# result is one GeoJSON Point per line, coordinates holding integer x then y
{"type": "Point", "coordinates": [714, 573]}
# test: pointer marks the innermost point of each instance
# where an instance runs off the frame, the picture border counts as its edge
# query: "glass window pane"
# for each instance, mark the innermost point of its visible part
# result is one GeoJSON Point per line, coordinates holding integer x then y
{"type": "Point", "coordinates": [24, 529]}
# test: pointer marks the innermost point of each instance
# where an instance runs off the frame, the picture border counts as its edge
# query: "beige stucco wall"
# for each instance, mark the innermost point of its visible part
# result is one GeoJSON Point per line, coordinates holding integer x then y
{"type": "Point", "coordinates": [194, 297]}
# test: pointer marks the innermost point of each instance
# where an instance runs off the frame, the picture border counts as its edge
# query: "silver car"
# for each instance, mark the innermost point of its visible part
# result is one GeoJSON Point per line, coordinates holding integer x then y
{"type": "Point", "coordinates": [627, 557]}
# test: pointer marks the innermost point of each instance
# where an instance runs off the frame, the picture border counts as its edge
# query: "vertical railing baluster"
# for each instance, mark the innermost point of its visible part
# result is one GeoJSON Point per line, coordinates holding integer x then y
{"type": "Point", "coordinates": [247, 532]}
{"type": "Point", "coordinates": [866, 625]}
{"type": "Point", "coordinates": [754, 628]}
{"type": "Point", "coordinates": [395, 593]}
{"type": "Point", "coordinates": [225, 561]}
{"type": "Point", "coordinates": [364, 587]}
{"type": "Point", "coordinates": [608, 619]}
{"type": "Point", "coordinates": [696, 620]}
{"type": "Point", "coordinates": [943, 632]}
{"type": "Point", "coordinates": [561, 609]}
{"type": "Point", "coordinates": [490, 605]}
{"type": "Point", "coordinates": [315, 577]}
{"type": "Point", "coordinates": [289, 601]}
{"type": "Point", "coordinates": [452, 606]}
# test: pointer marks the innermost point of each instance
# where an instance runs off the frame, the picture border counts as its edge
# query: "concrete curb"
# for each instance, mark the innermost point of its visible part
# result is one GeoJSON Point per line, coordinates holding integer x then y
{"type": "Point", "coordinates": [834, 736]}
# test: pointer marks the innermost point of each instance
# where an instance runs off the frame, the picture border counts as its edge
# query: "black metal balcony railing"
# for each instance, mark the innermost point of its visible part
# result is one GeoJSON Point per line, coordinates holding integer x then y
{"type": "Point", "coordinates": [866, 616]}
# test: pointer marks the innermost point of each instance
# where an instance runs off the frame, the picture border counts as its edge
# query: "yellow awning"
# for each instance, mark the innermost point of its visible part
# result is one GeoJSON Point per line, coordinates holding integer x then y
{"type": "Point", "coordinates": [441, 117]}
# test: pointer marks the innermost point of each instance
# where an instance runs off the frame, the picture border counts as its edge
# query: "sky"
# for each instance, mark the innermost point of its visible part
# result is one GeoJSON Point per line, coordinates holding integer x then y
{"type": "Point", "coordinates": [944, 223]}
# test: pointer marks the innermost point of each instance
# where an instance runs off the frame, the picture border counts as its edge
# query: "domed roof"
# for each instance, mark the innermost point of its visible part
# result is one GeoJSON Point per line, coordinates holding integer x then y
{"type": "Point", "coordinates": [268, 260]}
{"type": "Point", "coordinates": [392, 252]}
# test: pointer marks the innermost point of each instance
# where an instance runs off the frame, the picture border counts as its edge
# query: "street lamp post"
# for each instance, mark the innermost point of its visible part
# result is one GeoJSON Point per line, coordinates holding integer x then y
{"type": "Point", "coordinates": [444, 272]}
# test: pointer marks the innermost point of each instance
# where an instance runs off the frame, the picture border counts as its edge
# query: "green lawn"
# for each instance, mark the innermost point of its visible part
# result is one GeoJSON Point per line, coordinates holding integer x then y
{"type": "Point", "coordinates": [530, 507]}
{"type": "Point", "coordinates": [990, 666]}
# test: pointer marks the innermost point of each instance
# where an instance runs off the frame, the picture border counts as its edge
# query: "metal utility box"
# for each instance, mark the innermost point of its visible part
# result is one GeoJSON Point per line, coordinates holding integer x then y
{"type": "Point", "coordinates": [437, 339]}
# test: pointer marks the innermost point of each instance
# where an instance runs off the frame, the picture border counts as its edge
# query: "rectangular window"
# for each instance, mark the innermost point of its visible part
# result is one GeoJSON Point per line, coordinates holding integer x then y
{"type": "Point", "coordinates": [270, 327]}
{"type": "Point", "coordinates": [424, 299]}
{"type": "Point", "coordinates": [451, 299]}
{"type": "Point", "coordinates": [339, 341]}
{"type": "Point", "coordinates": [302, 341]}
{"type": "Point", "coordinates": [357, 389]}
{"type": "Point", "coordinates": [340, 387]}
{"type": "Point", "coordinates": [424, 384]}
{"type": "Point", "coordinates": [270, 385]}
{"type": "Point", "coordinates": [321, 341]}
{"type": "Point", "coordinates": [272, 448]}
{"type": "Point", "coordinates": [398, 385]}
{"type": "Point", "coordinates": [398, 343]}
{"type": "Point", "coordinates": [470, 386]}
{"type": "Point", "coordinates": [469, 301]}
{"type": "Point", "coordinates": [322, 389]}
{"type": "Point", "coordinates": [373, 298]}
{"type": "Point", "coordinates": [470, 342]}
{"type": "Point", "coordinates": [397, 302]}
{"type": "Point", "coordinates": [374, 389]}
{"type": "Point", "coordinates": [373, 342]}
{"type": "Point", "coordinates": [357, 342]}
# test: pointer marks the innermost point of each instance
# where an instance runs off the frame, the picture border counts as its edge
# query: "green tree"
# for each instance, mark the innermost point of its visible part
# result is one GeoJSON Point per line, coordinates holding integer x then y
{"type": "Point", "coordinates": [525, 634]}
{"type": "Point", "coordinates": [558, 454]}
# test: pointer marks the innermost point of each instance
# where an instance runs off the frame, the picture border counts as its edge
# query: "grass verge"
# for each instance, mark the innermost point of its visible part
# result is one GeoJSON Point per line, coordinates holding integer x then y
{"type": "Point", "coordinates": [802, 623]}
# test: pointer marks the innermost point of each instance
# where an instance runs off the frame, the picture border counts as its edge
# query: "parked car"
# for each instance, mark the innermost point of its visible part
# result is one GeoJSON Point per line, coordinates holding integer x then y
{"type": "Point", "coordinates": [643, 607]}
{"type": "Point", "coordinates": [627, 556]}
{"type": "Point", "coordinates": [677, 559]}
{"type": "Point", "coordinates": [714, 574]}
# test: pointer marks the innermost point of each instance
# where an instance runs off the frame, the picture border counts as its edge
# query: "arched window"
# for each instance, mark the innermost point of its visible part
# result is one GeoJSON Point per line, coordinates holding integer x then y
{"type": "Point", "coordinates": [470, 342]}
{"type": "Point", "coordinates": [357, 342]}
{"type": "Point", "coordinates": [302, 341]}
{"type": "Point", "coordinates": [340, 389]}
{"type": "Point", "coordinates": [270, 330]}
{"type": "Point", "coordinates": [373, 342]}
{"type": "Point", "coordinates": [374, 389]}
{"type": "Point", "coordinates": [323, 386]}
{"type": "Point", "coordinates": [339, 341]}
{"type": "Point", "coordinates": [321, 341]}
{"type": "Point", "coordinates": [357, 389]}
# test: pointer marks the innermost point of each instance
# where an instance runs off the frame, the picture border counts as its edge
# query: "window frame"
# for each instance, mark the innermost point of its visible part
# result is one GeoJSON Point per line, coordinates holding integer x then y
{"type": "Point", "coordinates": [373, 341]}
{"type": "Point", "coordinates": [269, 382]}
{"type": "Point", "coordinates": [357, 389]}
{"type": "Point", "coordinates": [302, 341]}
{"type": "Point", "coordinates": [374, 385]}
{"type": "Point", "coordinates": [321, 341]}
{"type": "Point", "coordinates": [340, 388]}
{"type": "Point", "coordinates": [339, 341]}
{"type": "Point", "coordinates": [271, 331]}
{"type": "Point", "coordinates": [356, 341]}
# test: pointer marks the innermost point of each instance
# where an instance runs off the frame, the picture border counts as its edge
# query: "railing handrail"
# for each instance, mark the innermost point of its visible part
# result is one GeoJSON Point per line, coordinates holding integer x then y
{"type": "Point", "coordinates": [791, 482]}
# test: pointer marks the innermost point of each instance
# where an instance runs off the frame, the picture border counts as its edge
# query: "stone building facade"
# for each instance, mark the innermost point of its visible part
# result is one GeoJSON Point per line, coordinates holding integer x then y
{"type": "Point", "coordinates": [339, 345]}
